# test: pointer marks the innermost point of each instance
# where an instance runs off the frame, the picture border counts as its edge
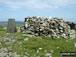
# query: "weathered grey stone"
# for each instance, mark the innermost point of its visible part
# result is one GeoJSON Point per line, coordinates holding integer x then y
{"type": "Point", "coordinates": [11, 26]}
{"type": "Point", "coordinates": [28, 32]}
{"type": "Point", "coordinates": [52, 51]}
{"type": "Point", "coordinates": [3, 54]}
{"type": "Point", "coordinates": [25, 56]}
{"type": "Point", "coordinates": [10, 54]}
{"type": "Point", "coordinates": [3, 50]}
{"type": "Point", "coordinates": [21, 28]}
{"type": "Point", "coordinates": [75, 44]}
{"type": "Point", "coordinates": [9, 48]}
{"type": "Point", "coordinates": [16, 55]}
{"type": "Point", "coordinates": [48, 54]}
{"type": "Point", "coordinates": [26, 39]}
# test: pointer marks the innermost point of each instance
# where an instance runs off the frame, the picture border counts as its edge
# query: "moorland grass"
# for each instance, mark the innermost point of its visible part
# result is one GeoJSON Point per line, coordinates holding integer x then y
{"type": "Point", "coordinates": [34, 43]}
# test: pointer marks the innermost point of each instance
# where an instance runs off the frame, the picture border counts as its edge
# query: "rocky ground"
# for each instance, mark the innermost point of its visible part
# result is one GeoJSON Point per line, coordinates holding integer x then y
{"type": "Point", "coordinates": [15, 45]}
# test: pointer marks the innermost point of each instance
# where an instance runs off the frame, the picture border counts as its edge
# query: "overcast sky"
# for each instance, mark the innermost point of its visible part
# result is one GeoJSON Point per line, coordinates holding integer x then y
{"type": "Point", "coordinates": [19, 9]}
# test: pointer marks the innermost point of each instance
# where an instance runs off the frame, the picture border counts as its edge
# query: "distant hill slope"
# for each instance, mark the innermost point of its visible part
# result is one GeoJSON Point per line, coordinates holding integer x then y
{"type": "Point", "coordinates": [6, 22]}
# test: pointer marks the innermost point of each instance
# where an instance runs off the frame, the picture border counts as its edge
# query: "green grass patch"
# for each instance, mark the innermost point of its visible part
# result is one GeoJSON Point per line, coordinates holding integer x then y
{"type": "Point", "coordinates": [2, 29]}
{"type": "Point", "coordinates": [34, 43]}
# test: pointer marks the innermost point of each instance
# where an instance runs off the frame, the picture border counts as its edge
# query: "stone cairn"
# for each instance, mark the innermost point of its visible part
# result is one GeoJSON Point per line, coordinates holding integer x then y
{"type": "Point", "coordinates": [52, 27]}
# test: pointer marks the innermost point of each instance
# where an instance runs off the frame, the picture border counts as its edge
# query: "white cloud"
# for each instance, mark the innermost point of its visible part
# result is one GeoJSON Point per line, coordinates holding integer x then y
{"type": "Point", "coordinates": [63, 2]}
{"type": "Point", "coordinates": [36, 3]}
